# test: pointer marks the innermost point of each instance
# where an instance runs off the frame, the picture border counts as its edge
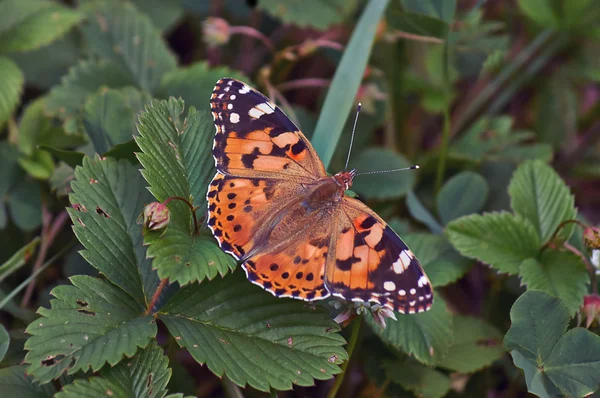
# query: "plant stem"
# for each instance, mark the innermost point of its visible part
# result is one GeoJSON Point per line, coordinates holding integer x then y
{"type": "Point", "coordinates": [351, 344]}
{"type": "Point", "coordinates": [250, 31]}
{"type": "Point", "coordinates": [591, 269]}
{"type": "Point", "coordinates": [159, 289]}
{"type": "Point", "coordinates": [446, 131]}
{"type": "Point", "coordinates": [192, 209]}
{"type": "Point", "coordinates": [557, 230]}
{"type": "Point", "coordinates": [50, 228]}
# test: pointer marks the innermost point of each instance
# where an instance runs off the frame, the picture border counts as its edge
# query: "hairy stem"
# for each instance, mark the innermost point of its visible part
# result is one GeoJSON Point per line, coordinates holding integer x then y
{"type": "Point", "coordinates": [192, 209]}
{"type": "Point", "coordinates": [159, 289]}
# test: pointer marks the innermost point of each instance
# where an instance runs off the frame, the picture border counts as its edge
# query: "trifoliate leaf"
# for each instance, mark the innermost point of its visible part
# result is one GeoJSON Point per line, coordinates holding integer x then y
{"type": "Point", "coordinates": [463, 194]}
{"type": "Point", "coordinates": [11, 86]}
{"type": "Point", "coordinates": [89, 323]}
{"type": "Point", "coordinates": [144, 375]}
{"type": "Point", "coordinates": [15, 383]}
{"type": "Point", "coordinates": [559, 273]}
{"type": "Point", "coordinates": [194, 84]}
{"type": "Point", "coordinates": [320, 15]}
{"type": "Point", "coordinates": [108, 196]}
{"type": "Point", "coordinates": [539, 195]}
{"type": "Point", "coordinates": [427, 335]}
{"type": "Point", "coordinates": [177, 161]}
{"type": "Point", "coordinates": [420, 379]}
{"type": "Point", "coordinates": [500, 239]}
{"type": "Point", "coordinates": [555, 363]}
{"type": "Point", "coordinates": [119, 33]}
{"type": "Point", "coordinates": [441, 262]}
{"type": "Point", "coordinates": [243, 332]}
{"type": "Point", "coordinates": [476, 345]}
{"type": "Point", "coordinates": [29, 25]}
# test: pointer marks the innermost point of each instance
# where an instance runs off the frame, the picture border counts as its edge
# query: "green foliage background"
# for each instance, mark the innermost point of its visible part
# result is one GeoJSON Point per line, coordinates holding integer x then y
{"type": "Point", "coordinates": [104, 109]}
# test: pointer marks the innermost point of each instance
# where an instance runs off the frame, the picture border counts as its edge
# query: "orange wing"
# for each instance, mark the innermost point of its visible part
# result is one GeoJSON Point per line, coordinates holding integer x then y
{"type": "Point", "coordinates": [256, 139]}
{"type": "Point", "coordinates": [371, 263]}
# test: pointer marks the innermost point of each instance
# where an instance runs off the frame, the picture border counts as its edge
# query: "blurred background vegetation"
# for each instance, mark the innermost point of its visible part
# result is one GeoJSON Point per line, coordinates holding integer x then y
{"type": "Point", "coordinates": [467, 87]}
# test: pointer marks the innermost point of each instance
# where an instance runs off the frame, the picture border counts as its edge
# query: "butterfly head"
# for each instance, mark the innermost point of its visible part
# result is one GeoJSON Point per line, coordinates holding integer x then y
{"type": "Point", "coordinates": [344, 178]}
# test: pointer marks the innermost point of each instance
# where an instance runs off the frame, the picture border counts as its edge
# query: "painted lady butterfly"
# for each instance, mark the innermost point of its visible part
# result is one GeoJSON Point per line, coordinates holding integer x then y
{"type": "Point", "coordinates": [274, 208]}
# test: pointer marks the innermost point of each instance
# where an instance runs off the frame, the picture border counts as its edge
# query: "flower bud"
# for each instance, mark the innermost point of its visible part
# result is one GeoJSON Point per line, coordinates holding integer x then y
{"type": "Point", "coordinates": [591, 308]}
{"type": "Point", "coordinates": [216, 31]}
{"type": "Point", "coordinates": [591, 237]}
{"type": "Point", "coordinates": [156, 216]}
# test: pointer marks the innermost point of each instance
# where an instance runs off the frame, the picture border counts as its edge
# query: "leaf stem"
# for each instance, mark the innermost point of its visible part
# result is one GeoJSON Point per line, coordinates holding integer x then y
{"type": "Point", "coordinates": [446, 131]}
{"type": "Point", "coordinates": [192, 209]}
{"type": "Point", "coordinates": [250, 31]}
{"type": "Point", "coordinates": [356, 324]}
{"type": "Point", "coordinates": [159, 289]}
{"type": "Point", "coordinates": [591, 269]}
{"type": "Point", "coordinates": [557, 230]}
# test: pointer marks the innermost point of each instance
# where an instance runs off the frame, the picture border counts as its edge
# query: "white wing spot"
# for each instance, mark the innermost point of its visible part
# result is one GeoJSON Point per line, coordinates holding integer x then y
{"type": "Point", "coordinates": [389, 286]}
{"type": "Point", "coordinates": [421, 309]}
{"type": "Point", "coordinates": [234, 118]}
{"type": "Point", "coordinates": [244, 90]}
{"type": "Point", "coordinates": [221, 96]}
{"type": "Point", "coordinates": [232, 97]}
{"type": "Point", "coordinates": [261, 109]}
{"type": "Point", "coordinates": [422, 281]}
{"type": "Point", "coordinates": [226, 89]}
{"type": "Point", "coordinates": [412, 303]}
{"type": "Point", "coordinates": [421, 298]}
{"type": "Point", "coordinates": [402, 292]}
{"type": "Point", "coordinates": [413, 291]}
{"type": "Point", "coordinates": [428, 296]}
{"type": "Point", "coordinates": [229, 83]}
{"type": "Point", "coordinates": [229, 106]}
{"type": "Point", "coordinates": [411, 311]}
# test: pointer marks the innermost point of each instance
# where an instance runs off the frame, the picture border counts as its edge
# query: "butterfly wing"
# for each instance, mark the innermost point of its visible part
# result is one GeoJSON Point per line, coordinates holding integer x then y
{"type": "Point", "coordinates": [255, 138]}
{"type": "Point", "coordinates": [371, 263]}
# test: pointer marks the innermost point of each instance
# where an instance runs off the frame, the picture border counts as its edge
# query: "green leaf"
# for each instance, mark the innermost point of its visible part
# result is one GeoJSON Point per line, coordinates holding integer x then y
{"type": "Point", "coordinates": [382, 186]}
{"type": "Point", "coordinates": [346, 81]}
{"type": "Point", "coordinates": [500, 239]}
{"type": "Point", "coordinates": [40, 165]}
{"type": "Point", "coordinates": [25, 204]}
{"type": "Point", "coordinates": [72, 158]}
{"type": "Point", "coordinates": [418, 24]}
{"type": "Point", "coordinates": [109, 116]}
{"type": "Point", "coordinates": [177, 161]}
{"type": "Point", "coordinates": [442, 9]}
{"type": "Point", "coordinates": [68, 99]}
{"type": "Point", "coordinates": [420, 379]}
{"type": "Point", "coordinates": [4, 342]}
{"type": "Point", "coordinates": [144, 375]}
{"type": "Point", "coordinates": [463, 194]}
{"type": "Point", "coordinates": [107, 198]}
{"type": "Point", "coordinates": [419, 212]}
{"type": "Point", "coordinates": [18, 259]}
{"type": "Point", "coordinates": [441, 262]}
{"type": "Point", "coordinates": [11, 86]}
{"type": "Point", "coordinates": [476, 345]}
{"type": "Point", "coordinates": [559, 273]}
{"type": "Point", "coordinates": [539, 195]}
{"type": "Point", "coordinates": [89, 324]}
{"type": "Point", "coordinates": [16, 383]}
{"type": "Point", "coordinates": [194, 84]}
{"type": "Point", "coordinates": [426, 336]}
{"type": "Point", "coordinates": [319, 15]}
{"type": "Point", "coordinates": [29, 25]}
{"type": "Point", "coordinates": [241, 331]}
{"type": "Point", "coordinates": [554, 362]}
{"type": "Point", "coordinates": [119, 33]}
{"type": "Point", "coordinates": [164, 14]}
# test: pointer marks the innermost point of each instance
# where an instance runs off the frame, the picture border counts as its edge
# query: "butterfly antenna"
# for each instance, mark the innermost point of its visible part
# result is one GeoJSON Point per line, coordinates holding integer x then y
{"type": "Point", "coordinates": [416, 166]}
{"type": "Point", "coordinates": [352, 137]}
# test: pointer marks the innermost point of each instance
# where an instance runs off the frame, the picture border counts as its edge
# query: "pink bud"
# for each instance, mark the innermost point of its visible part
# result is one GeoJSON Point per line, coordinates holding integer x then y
{"type": "Point", "coordinates": [591, 237]}
{"type": "Point", "coordinates": [591, 308]}
{"type": "Point", "coordinates": [156, 216]}
{"type": "Point", "coordinates": [216, 31]}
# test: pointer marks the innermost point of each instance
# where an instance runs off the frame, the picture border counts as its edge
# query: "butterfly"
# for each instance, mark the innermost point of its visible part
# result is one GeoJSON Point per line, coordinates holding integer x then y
{"type": "Point", "coordinates": [273, 207]}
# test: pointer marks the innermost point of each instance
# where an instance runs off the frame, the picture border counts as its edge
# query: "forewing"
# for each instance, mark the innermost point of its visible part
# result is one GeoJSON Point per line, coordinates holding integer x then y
{"type": "Point", "coordinates": [255, 138]}
{"type": "Point", "coordinates": [371, 263]}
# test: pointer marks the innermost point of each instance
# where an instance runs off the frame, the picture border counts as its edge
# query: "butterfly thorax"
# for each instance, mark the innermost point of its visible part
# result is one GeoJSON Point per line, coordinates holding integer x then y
{"type": "Point", "coordinates": [329, 190]}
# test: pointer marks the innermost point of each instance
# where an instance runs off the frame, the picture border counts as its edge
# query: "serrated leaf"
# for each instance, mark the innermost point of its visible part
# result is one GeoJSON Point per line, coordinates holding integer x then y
{"type": "Point", "coordinates": [108, 196]}
{"type": "Point", "coordinates": [500, 239]}
{"type": "Point", "coordinates": [67, 99]}
{"type": "Point", "coordinates": [243, 332]}
{"type": "Point", "coordinates": [419, 212]}
{"type": "Point", "coordinates": [89, 324]}
{"type": "Point", "coordinates": [4, 343]}
{"type": "Point", "coordinates": [119, 33]}
{"type": "Point", "coordinates": [16, 383]}
{"type": "Point", "coordinates": [476, 345]}
{"type": "Point", "coordinates": [382, 186]}
{"type": "Point", "coordinates": [559, 273]}
{"type": "Point", "coordinates": [177, 161]}
{"type": "Point", "coordinates": [426, 336]}
{"type": "Point", "coordinates": [554, 362]}
{"type": "Point", "coordinates": [194, 84]}
{"type": "Point", "coordinates": [463, 194]}
{"type": "Point", "coordinates": [33, 24]}
{"type": "Point", "coordinates": [420, 379]}
{"type": "Point", "coordinates": [144, 375]}
{"type": "Point", "coordinates": [110, 115]}
{"type": "Point", "coordinates": [441, 262]}
{"type": "Point", "coordinates": [320, 15]}
{"type": "Point", "coordinates": [11, 86]}
{"type": "Point", "coordinates": [539, 195]}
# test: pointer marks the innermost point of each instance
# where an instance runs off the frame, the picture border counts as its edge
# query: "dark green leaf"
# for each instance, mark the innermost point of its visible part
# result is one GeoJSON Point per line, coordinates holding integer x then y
{"type": "Point", "coordinates": [4, 343]}
{"type": "Point", "coordinates": [502, 240]}
{"type": "Point", "coordinates": [253, 338]}
{"type": "Point", "coordinates": [319, 15]}
{"type": "Point", "coordinates": [382, 186]}
{"type": "Point", "coordinates": [539, 195]}
{"type": "Point", "coordinates": [419, 212]}
{"type": "Point", "coordinates": [89, 323]}
{"type": "Point", "coordinates": [18, 259]}
{"type": "Point", "coordinates": [164, 14]}
{"type": "Point", "coordinates": [559, 273]}
{"type": "Point", "coordinates": [16, 383]}
{"type": "Point", "coordinates": [39, 165]}
{"type": "Point", "coordinates": [420, 379]}
{"type": "Point", "coordinates": [72, 158]}
{"type": "Point", "coordinates": [426, 336]}
{"type": "Point", "coordinates": [442, 9]}
{"type": "Point", "coordinates": [126, 150]}
{"type": "Point", "coordinates": [11, 86]}
{"type": "Point", "coordinates": [418, 24]}
{"type": "Point", "coordinates": [144, 375]}
{"type": "Point", "coordinates": [25, 204]}
{"type": "Point", "coordinates": [463, 194]}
